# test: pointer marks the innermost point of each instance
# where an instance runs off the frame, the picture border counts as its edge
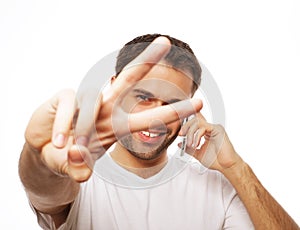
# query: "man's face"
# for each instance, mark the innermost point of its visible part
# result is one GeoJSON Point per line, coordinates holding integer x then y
{"type": "Point", "coordinates": [161, 86]}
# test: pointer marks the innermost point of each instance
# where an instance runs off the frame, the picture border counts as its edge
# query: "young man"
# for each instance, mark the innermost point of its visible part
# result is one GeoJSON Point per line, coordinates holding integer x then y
{"type": "Point", "coordinates": [72, 184]}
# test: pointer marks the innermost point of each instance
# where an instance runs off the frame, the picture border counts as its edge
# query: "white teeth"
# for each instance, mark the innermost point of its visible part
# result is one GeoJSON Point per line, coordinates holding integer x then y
{"type": "Point", "coordinates": [154, 134]}
{"type": "Point", "coordinates": [148, 134]}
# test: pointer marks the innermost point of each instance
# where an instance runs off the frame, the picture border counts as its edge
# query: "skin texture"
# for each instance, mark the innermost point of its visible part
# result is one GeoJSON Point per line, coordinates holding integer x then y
{"type": "Point", "coordinates": [132, 150]}
{"type": "Point", "coordinates": [54, 160]}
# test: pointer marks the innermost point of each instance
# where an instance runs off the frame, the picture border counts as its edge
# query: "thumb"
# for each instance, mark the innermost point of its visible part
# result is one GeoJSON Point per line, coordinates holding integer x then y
{"type": "Point", "coordinates": [199, 154]}
{"type": "Point", "coordinates": [80, 163]}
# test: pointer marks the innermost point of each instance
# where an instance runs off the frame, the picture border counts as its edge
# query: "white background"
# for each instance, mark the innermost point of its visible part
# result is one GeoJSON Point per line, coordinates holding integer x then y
{"type": "Point", "coordinates": [251, 48]}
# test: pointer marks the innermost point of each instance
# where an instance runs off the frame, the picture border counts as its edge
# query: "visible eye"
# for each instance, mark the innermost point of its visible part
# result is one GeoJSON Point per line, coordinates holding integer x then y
{"type": "Point", "coordinates": [141, 98]}
{"type": "Point", "coordinates": [173, 101]}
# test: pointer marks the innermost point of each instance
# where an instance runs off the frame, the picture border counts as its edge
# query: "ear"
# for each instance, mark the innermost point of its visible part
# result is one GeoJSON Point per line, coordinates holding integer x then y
{"type": "Point", "coordinates": [112, 79]}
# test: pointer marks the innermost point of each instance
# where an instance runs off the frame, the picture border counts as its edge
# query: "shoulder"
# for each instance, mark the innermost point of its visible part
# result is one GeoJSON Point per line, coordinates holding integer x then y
{"type": "Point", "coordinates": [199, 175]}
{"type": "Point", "coordinates": [195, 169]}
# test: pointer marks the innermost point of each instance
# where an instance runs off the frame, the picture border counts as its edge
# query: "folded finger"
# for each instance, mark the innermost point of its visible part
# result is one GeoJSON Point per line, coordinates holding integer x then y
{"type": "Point", "coordinates": [197, 138]}
{"type": "Point", "coordinates": [80, 163]}
{"type": "Point", "coordinates": [63, 105]}
{"type": "Point", "coordinates": [89, 108]}
{"type": "Point", "coordinates": [190, 133]}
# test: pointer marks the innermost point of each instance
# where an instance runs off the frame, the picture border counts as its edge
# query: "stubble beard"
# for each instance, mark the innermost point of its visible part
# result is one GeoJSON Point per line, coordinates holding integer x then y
{"type": "Point", "coordinates": [130, 143]}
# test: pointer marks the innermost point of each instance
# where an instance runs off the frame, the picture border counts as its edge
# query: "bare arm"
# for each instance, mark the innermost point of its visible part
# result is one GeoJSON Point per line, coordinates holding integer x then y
{"type": "Point", "coordinates": [48, 192]}
{"type": "Point", "coordinates": [49, 189]}
{"type": "Point", "coordinates": [52, 162]}
{"type": "Point", "coordinates": [218, 153]}
{"type": "Point", "coordinates": [264, 210]}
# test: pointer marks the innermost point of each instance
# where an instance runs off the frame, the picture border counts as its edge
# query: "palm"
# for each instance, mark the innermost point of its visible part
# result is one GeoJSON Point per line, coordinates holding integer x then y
{"type": "Point", "coordinates": [100, 121]}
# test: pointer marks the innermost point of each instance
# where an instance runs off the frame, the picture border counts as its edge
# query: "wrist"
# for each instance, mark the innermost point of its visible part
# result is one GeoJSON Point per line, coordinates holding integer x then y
{"type": "Point", "coordinates": [237, 172]}
{"type": "Point", "coordinates": [31, 149]}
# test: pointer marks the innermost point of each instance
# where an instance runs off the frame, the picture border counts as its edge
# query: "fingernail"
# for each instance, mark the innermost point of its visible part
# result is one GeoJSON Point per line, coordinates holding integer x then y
{"type": "Point", "coordinates": [82, 140]}
{"type": "Point", "coordinates": [59, 140]}
{"type": "Point", "coordinates": [76, 158]}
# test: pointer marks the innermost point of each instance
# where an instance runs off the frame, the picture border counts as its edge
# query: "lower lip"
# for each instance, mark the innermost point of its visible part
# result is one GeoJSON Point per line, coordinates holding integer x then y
{"type": "Point", "coordinates": [148, 139]}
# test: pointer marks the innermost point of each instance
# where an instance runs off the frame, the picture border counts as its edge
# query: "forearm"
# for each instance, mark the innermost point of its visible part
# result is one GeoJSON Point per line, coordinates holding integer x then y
{"type": "Point", "coordinates": [263, 209]}
{"type": "Point", "coordinates": [48, 192]}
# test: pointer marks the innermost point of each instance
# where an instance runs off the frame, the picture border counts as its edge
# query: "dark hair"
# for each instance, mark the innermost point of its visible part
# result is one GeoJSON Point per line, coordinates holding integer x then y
{"type": "Point", "coordinates": [180, 56]}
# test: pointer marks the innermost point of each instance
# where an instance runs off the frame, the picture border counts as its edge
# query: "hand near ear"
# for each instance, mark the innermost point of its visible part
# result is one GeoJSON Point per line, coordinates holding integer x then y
{"type": "Point", "coordinates": [216, 152]}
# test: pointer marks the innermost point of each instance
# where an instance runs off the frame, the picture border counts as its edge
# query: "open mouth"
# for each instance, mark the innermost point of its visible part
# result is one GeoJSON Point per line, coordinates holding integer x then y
{"type": "Point", "coordinates": [151, 137]}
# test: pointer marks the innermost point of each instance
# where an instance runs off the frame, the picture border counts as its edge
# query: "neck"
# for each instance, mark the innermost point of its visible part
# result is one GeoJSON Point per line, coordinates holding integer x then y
{"type": "Point", "coordinates": [142, 168]}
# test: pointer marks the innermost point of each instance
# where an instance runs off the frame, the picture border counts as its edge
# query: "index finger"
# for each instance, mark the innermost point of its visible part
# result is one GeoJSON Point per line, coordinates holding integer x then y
{"type": "Point", "coordinates": [185, 128]}
{"type": "Point", "coordinates": [90, 97]}
{"type": "Point", "coordinates": [141, 65]}
{"type": "Point", "coordinates": [164, 114]}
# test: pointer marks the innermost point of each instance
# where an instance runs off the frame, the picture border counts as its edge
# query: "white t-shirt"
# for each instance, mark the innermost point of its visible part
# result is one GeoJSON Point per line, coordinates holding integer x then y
{"type": "Point", "coordinates": [183, 195]}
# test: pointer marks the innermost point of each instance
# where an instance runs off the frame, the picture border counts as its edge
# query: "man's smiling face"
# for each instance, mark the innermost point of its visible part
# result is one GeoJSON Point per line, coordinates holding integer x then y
{"type": "Point", "coordinates": [161, 86]}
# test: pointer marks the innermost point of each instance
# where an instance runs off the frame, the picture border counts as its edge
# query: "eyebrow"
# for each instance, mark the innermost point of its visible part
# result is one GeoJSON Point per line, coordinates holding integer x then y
{"type": "Point", "coordinates": [150, 95]}
{"type": "Point", "coordinates": [144, 92]}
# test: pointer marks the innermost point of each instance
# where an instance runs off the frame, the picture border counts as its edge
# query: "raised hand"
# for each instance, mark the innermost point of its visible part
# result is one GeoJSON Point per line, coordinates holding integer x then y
{"type": "Point", "coordinates": [100, 119]}
{"type": "Point", "coordinates": [216, 152]}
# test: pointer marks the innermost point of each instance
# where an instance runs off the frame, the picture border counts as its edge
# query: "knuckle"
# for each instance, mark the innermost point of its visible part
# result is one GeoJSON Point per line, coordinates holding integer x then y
{"type": "Point", "coordinates": [80, 175]}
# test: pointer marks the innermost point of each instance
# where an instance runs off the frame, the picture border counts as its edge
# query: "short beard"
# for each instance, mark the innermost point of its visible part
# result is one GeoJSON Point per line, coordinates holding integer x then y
{"type": "Point", "coordinates": [127, 142]}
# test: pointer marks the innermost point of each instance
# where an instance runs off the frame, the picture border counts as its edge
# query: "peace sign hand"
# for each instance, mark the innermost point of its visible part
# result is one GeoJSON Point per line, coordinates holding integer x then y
{"type": "Point", "coordinates": [100, 121]}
